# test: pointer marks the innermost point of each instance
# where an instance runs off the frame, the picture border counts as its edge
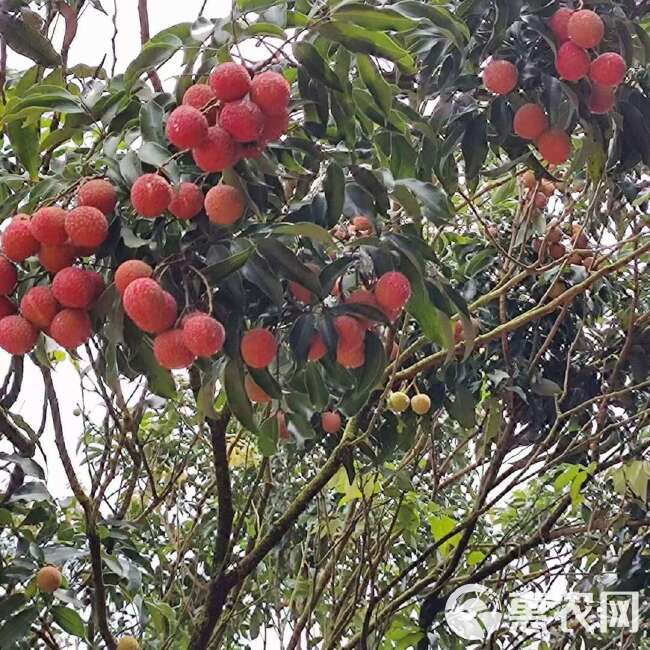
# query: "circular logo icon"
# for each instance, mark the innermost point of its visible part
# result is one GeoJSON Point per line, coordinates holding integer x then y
{"type": "Point", "coordinates": [472, 612]}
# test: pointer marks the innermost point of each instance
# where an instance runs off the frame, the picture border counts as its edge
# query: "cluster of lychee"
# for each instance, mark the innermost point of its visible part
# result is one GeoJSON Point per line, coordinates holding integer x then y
{"type": "Point", "coordinates": [576, 32]}
{"type": "Point", "coordinates": [399, 402]}
{"type": "Point", "coordinates": [557, 245]}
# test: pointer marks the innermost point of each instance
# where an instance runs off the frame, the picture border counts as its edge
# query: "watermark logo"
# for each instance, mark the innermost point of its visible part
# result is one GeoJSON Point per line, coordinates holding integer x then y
{"type": "Point", "coordinates": [472, 612]}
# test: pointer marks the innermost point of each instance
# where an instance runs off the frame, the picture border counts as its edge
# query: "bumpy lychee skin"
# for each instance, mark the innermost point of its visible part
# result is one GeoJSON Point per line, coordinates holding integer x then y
{"type": "Point", "coordinates": [350, 333]}
{"type": "Point", "coordinates": [586, 28]}
{"type": "Point", "coordinates": [169, 312]}
{"type": "Point", "coordinates": [559, 24]}
{"type": "Point", "coordinates": [317, 349]}
{"type": "Point", "coordinates": [73, 288]}
{"type": "Point", "coordinates": [18, 243]}
{"type": "Point", "coordinates": [98, 193]}
{"type": "Point", "coordinates": [55, 258]}
{"type": "Point", "coordinates": [48, 226]}
{"type": "Point", "coordinates": [170, 351]}
{"type": "Point", "coordinates": [129, 271]}
{"type": "Point", "coordinates": [230, 81]}
{"type": "Point", "coordinates": [530, 121]}
{"type": "Point", "coordinates": [71, 328]}
{"type": "Point", "coordinates": [602, 99]}
{"type": "Point", "coordinates": [128, 643]}
{"type": "Point", "coordinates": [259, 348]}
{"type": "Point", "coordinates": [555, 146]}
{"type": "Point", "coordinates": [97, 283]}
{"type": "Point", "coordinates": [608, 69]}
{"type": "Point", "coordinates": [199, 96]}
{"type": "Point", "coordinates": [255, 393]}
{"type": "Point", "coordinates": [275, 126]}
{"type": "Point", "coordinates": [572, 62]}
{"type": "Point", "coordinates": [217, 153]}
{"type": "Point", "coordinates": [243, 120]}
{"type": "Point", "coordinates": [393, 290]}
{"type": "Point", "coordinates": [7, 308]}
{"type": "Point", "coordinates": [225, 205]}
{"type": "Point", "coordinates": [351, 358]}
{"type": "Point", "coordinates": [187, 201]}
{"type": "Point", "coordinates": [144, 303]}
{"type": "Point", "coordinates": [330, 421]}
{"type": "Point", "coordinates": [271, 92]}
{"type": "Point", "coordinates": [151, 195]}
{"type": "Point", "coordinates": [500, 77]}
{"type": "Point", "coordinates": [186, 127]}
{"type": "Point", "coordinates": [49, 579]}
{"type": "Point", "coordinates": [39, 307]}
{"type": "Point", "coordinates": [8, 277]}
{"type": "Point", "coordinates": [203, 335]}
{"type": "Point", "coordinates": [17, 335]}
{"type": "Point", "coordinates": [86, 226]}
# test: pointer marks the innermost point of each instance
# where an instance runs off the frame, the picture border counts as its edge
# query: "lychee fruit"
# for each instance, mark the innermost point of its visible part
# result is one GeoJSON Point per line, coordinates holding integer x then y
{"type": "Point", "coordinates": [363, 297]}
{"type": "Point", "coordinates": [98, 193]}
{"type": "Point", "coordinates": [555, 146]}
{"type": "Point", "coordinates": [530, 121]}
{"type": "Point", "coordinates": [601, 99]}
{"type": "Point", "coordinates": [317, 349]}
{"type": "Point", "coordinates": [49, 579]}
{"type": "Point", "coordinates": [18, 243]}
{"type": "Point", "coordinates": [144, 302]}
{"type": "Point", "coordinates": [55, 258]}
{"type": "Point", "coordinates": [300, 293]}
{"type": "Point", "coordinates": [187, 127]}
{"type": "Point", "coordinates": [586, 28]}
{"type": "Point", "coordinates": [187, 201]}
{"type": "Point", "coordinates": [73, 288]}
{"type": "Point", "coordinates": [230, 81]}
{"type": "Point", "coordinates": [7, 308]}
{"type": "Point", "coordinates": [255, 394]}
{"type": "Point", "coordinates": [217, 153]}
{"type": "Point", "coordinates": [559, 24]}
{"type": "Point", "coordinates": [421, 404]}
{"type": "Point", "coordinates": [151, 195]}
{"type": "Point", "coordinates": [393, 291]}
{"type": "Point", "coordinates": [398, 402]}
{"type": "Point", "coordinates": [128, 643]}
{"type": "Point", "coordinates": [350, 332]}
{"type": "Point", "coordinates": [225, 204]}
{"type": "Point", "coordinates": [169, 313]}
{"type": "Point", "coordinates": [275, 126]}
{"type": "Point", "coordinates": [259, 348]}
{"type": "Point", "coordinates": [557, 251]}
{"type": "Point", "coordinates": [97, 283]}
{"type": "Point", "coordinates": [129, 271]}
{"type": "Point", "coordinates": [500, 77]}
{"type": "Point", "coordinates": [350, 358]}
{"type": "Point", "coordinates": [48, 226]}
{"type": "Point", "coordinates": [528, 179]}
{"type": "Point", "coordinates": [271, 92]}
{"type": "Point", "coordinates": [170, 351]}
{"type": "Point", "coordinates": [243, 120]}
{"type": "Point", "coordinates": [608, 69]}
{"type": "Point", "coordinates": [71, 328]}
{"type": "Point", "coordinates": [8, 277]}
{"type": "Point", "coordinates": [330, 421]}
{"type": "Point", "coordinates": [572, 62]}
{"type": "Point", "coordinates": [17, 335]}
{"type": "Point", "coordinates": [203, 335]}
{"type": "Point", "coordinates": [540, 200]}
{"type": "Point", "coordinates": [86, 226]}
{"type": "Point", "coordinates": [363, 224]}
{"type": "Point", "coordinates": [199, 96]}
{"type": "Point", "coordinates": [39, 306]}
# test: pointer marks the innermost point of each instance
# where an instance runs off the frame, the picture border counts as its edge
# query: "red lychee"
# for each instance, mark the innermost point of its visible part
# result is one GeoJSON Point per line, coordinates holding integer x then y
{"type": "Point", "coordinates": [55, 258]}
{"type": "Point", "coordinates": [271, 92]}
{"type": "Point", "coordinates": [98, 193]}
{"type": "Point", "coordinates": [586, 28]}
{"type": "Point", "coordinates": [530, 121]}
{"type": "Point", "coordinates": [129, 271]}
{"type": "Point", "coordinates": [317, 349]}
{"type": "Point", "coordinates": [259, 348]}
{"type": "Point", "coordinates": [151, 195]}
{"type": "Point", "coordinates": [71, 328]}
{"type": "Point", "coordinates": [393, 291]}
{"type": "Point", "coordinates": [97, 283]}
{"type": "Point", "coordinates": [187, 201]}
{"type": "Point", "coordinates": [86, 226]}
{"type": "Point", "coordinates": [145, 303]}
{"type": "Point", "coordinates": [199, 96]}
{"type": "Point", "coordinates": [608, 69]}
{"type": "Point", "coordinates": [555, 146]}
{"type": "Point", "coordinates": [39, 306]}
{"type": "Point", "coordinates": [225, 204]}
{"type": "Point", "coordinates": [541, 200]}
{"type": "Point", "coordinates": [351, 357]}
{"type": "Point", "coordinates": [8, 277]}
{"type": "Point", "coordinates": [255, 393]}
{"type": "Point", "coordinates": [187, 127]}
{"type": "Point", "coordinates": [17, 335]}
{"type": "Point", "coordinates": [243, 120]}
{"type": "Point", "coordinates": [48, 226]}
{"type": "Point", "coordinates": [250, 150]}
{"type": "Point", "coordinates": [572, 62]}
{"type": "Point", "coordinates": [559, 24]}
{"type": "Point", "coordinates": [500, 76]}
{"type": "Point", "coordinates": [170, 351]}
{"type": "Point", "coordinates": [330, 421]}
{"type": "Point", "coordinates": [73, 288]}
{"type": "Point", "coordinates": [169, 312]}
{"type": "Point", "coordinates": [363, 297]}
{"type": "Point", "coordinates": [601, 99]}
{"type": "Point", "coordinates": [230, 81]}
{"type": "Point", "coordinates": [203, 335]}
{"type": "Point", "coordinates": [217, 153]}
{"type": "Point", "coordinates": [300, 293]}
{"type": "Point", "coordinates": [18, 243]}
{"type": "Point", "coordinates": [7, 308]}
{"type": "Point", "coordinates": [350, 333]}
{"type": "Point", "coordinates": [275, 126]}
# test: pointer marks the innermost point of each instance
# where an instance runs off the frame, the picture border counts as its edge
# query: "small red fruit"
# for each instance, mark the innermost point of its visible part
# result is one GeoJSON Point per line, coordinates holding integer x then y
{"type": "Point", "coordinates": [225, 204]}
{"type": "Point", "coordinates": [71, 328]}
{"type": "Point", "coordinates": [86, 226]}
{"type": "Point", "coordinates": [351, 357]}
{"type": "Point", "coordinates": [97, 283]}
{"type": "Point", "coordinates": [170, 351]}
{"type": "Point", "coordinates": [393, 291]}
{"type": "Point", "coordinates": [572, 62]}
{"type": "Point", "coordinates": [7, 308]}
{"type": "Point", "coordinates": [199, 96]}
{"type": "Point", "coordinates": [559, 24]}
{"type": "Point", "coordinates": [151, 195]}
{"type": "Point", "coordinates": [73, 288]}
{"type": "Point", "coordinates": [363, 297]}
{"type": "Point", "coordinates": [217, 153]}
{"type": "Point", "coordinates": [602, 99]}
{"type": "Point", "coordinates": [259, 348]}
{"type": "Point", "coordinates": [350, 333]}
{"type": "Point", "coordinates": [39, 307]}
{"type": "Point", "coordinates": [330, 421]}
{"type": "Point", "coordinates": [169, 312]}
{"type": "Point", "coordinates": [586, 28]}
{"type": "Point", "coordinates": [146, 305]}
{"type": "Point", "coordinates": [500, 76]}
{"type": "Point", "coordinates": [541, 200]}
{"type": "Point", "coordinates": [255, 394]}
{"type": "Point", "coordinates": [55, 258]}
{"type": "Point", "coordinates": [555, 146]}
{"type": "Point", "coordinates": [187, 201]}
{"type": "Point", "coordinates": [363, 225]}
{"type": "Point", "coordinates": [243, 120]}
{"type": "Point", "coordinates": [275, 126]}
{"type": "Point", "coordinates": [129, 271]}
{"type": "Point", "coordinates": [271, 92]}
{"type": "Point", "coordinates": [98, 193]}
{"type": "Point", "coordinates": [48, 226]}
{"type": "Point", "coordinates": [530, 121]}
{"type": "Point", "coordinates": [186, 127]}
{"type": "Point", "coordinates": [230, 81]}
{"type": "Point", "coordinates": [317, 349]}
{"type": "Point", "coordinates": [17, 335]}
{"type": "Point", "coordinates": [608, 69]}
{"type": "Point", "coordinates": [8, 277]}
{"type": "Point", "coordinates": [203, 335]}
{"type": "Point", "coordinates": [18, 243]}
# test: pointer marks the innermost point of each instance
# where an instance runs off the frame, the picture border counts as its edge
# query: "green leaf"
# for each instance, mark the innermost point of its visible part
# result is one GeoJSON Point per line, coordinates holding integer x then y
{"type": "Point", "coordinates": [159, 157]}
{"type": "Point", "coordinates": [240, 405]}
{"type": "Point", "coordinates": [334, 187]}
{"type": "Point", "coordinates": [369, 378]}
{"type": "Point", "coordinates": [316, 387]}
{"type": "Point", "coordinates": [475, 147]}
{"type": "Point", "coordinates": [160, 380]}
{"type": "Point", "coordinates": [154, 53]}
{"type": "Point", "coordinates": [303, 229]}
{"type": "Point", "coordinates": [29, 42]}
{"type": "Point", "coordinates": [441, 526]}
{"type": "Point", "coordinates": [25, 142]}
{"type": "Point", "coordinates": [379, 88]}
{"type": "Point", "coordinates": [68, 620]}
{"type": "Point", "coordinates": [28, 465]}
{"type": "Point", "coordinates": [258, 272]}
{"type": "Point", "coordinates": [309, 57]}
{"type": "Point", "coordinates": [400, 156]}
{"type": "Point", "coordinates": [433, 201]}
{"type": "Point", "coordinates": [224, 268]}
{"type": "Point", "coordinates": [17, 627]}
{"type": "Point", "coordinates": [267, 437]}
{"type": "Point", "coordinates": [442, 18]}
{"type": "Point", "coordinates": [375, 18]}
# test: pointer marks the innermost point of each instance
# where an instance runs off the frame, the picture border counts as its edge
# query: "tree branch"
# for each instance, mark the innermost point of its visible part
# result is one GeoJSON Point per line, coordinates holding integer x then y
{"type": "Point", "coordinates": [143, 14]}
